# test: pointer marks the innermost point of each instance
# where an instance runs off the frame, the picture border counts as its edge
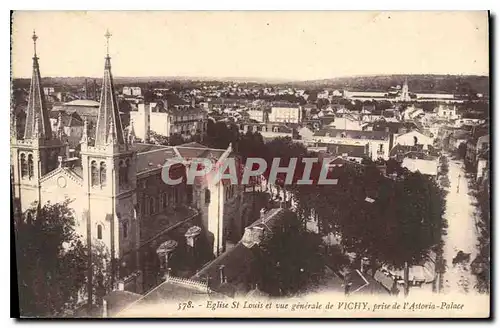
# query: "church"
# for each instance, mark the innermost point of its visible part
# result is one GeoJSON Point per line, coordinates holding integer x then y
{"type": "Point", "coordinates": [116, 191]}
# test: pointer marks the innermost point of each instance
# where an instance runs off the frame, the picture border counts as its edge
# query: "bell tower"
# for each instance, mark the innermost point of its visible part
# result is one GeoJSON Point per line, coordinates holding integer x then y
{"type": "Point", "coordinates": [109, 178]}
{"type": "Point", "coordinates": [36, 152]}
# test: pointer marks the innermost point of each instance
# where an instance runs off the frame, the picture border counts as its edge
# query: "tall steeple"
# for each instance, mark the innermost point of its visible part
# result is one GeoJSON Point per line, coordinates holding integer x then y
{"type": "Point", "coordinates": [109, 114]}
{"type": "Point", "coordinates": [36, 113]}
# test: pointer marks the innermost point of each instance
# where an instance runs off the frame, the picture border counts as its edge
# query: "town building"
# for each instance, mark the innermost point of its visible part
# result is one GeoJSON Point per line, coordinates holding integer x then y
{"type": "Point", "coordinates": [257, 115]}
{"type": "Point", "coordinates": [447, 112]}
{"type": "Point", "coordinates": [285, 113]}
{"type": "Point", "coordinates": [184, 120]}
{"type": "Point", "coordinates": [379, 143]}
{"type": "Point", "coordinates": [427, 167]}
{"type": "Point", "coordinates": [413, 138]}
{"type": "Point", "coordinates": [132, 91]}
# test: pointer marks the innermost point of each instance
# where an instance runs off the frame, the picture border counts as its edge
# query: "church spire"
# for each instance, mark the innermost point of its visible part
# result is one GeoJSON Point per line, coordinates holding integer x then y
{"type": "Point", "coordinates": [36, 113]}
{"type": "Point", "coordinates": [109, 116]}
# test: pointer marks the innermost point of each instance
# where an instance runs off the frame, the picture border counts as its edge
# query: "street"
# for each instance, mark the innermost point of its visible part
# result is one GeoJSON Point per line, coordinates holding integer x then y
{"type": "Point", "coordinates": [461, 233]}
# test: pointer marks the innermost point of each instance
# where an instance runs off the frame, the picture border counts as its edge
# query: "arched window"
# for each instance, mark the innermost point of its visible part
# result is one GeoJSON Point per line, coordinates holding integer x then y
{"type": "Point", "coordinates": [127, 165]}
{"type": "Point", "coordinates": [207, 196]}
{"type": "Point", "coordinates": [24, 166]}
{"type": "Point", "coordinates": [94, 175]}
{"type": "Point", "coordinates": [99, 231]}
{"type": "Point", "coordinates": [30, 166]}
{"type": "Point", "coordinates": [151, 205]}
{"type": "Point", "coordinates": [175, 196]}
{"type": "Point", "coordinates": [121, 172]}
{"type": "Point", "coordinates": [102, 171]}
{"type": "Point", "coordinates": [125, 229]}
{"type": "Point", "coordinates": [161, 202]}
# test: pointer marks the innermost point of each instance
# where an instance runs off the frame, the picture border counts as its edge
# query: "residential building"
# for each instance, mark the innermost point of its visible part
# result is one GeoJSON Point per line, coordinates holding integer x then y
{"type": "Point", "coordinates": [378, 143]}
{"type": "Point", "coordinates": [167, 121]}
{"type": "Point", "coordinates": [132, 91]}
{"type": "Point", "coordinates": [346, 122]}
{"type": "Point", "coordinates": [257, 115]}
{"type": "Point", "coordinates": [447, 112]}
{"type": "Point", "coordinates": [268, 131]}
{"type": "Point", "coordinates": [285, 113]}
{"type": "Point", "coordinates": [413, 138]}
{"type": "Point", "coordinates": [425, 166]}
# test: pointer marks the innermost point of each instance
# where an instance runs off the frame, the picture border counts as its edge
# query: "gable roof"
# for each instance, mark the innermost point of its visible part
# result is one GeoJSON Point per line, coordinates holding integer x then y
{"type": "Point", "coordinates": [353, 134]}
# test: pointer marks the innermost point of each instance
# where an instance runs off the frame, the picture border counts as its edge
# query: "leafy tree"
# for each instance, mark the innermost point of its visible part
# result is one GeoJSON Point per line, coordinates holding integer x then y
{"type": "Point", "coordinates": [251, 144]}
{"type": "Point", "coordinates": [290, 258]}
{"type": "Point", "coordinates": [389, 221]}
{"type": "Point", "coordinates": [219, 135]}
{"type": "Point", "coordinates": [481, 265]}
{"type": "Point", "coordinates": [53, 262]}
{"type": "Point", "coordinates": [462, 149]}
{"type": "Point", "coordinates": [157, 138]}
{"type": "Point", "coordinates": [175, 140]}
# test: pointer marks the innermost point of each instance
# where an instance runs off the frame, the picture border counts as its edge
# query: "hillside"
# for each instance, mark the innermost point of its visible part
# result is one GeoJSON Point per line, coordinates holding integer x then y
{"type": "Point", "coordinates": [416, 83]}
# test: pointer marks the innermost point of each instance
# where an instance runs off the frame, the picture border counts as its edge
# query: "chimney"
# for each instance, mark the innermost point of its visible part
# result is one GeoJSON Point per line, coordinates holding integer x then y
{"type": "Point", "coordinates": [222, 275]}
{"type": "Point", "coordinates": [262, 213]}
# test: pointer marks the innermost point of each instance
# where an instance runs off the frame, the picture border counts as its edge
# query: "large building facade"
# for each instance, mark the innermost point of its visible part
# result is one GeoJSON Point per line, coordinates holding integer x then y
{"type": "Point", "coordinates": [114, 186]}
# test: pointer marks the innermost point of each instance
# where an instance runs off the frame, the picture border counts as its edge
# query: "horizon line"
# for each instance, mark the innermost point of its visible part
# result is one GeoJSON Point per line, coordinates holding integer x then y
{"type": "Point", "coordinates": [255, 79]}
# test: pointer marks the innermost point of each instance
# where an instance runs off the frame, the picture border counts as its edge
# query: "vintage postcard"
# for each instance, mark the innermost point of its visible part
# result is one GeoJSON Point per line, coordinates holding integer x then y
{"type": "Point", "coordinates": [317, 164]}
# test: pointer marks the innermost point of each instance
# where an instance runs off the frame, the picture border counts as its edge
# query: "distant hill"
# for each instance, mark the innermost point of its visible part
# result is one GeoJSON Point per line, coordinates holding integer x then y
{"type": "Point", "coordinates": [416, 83]}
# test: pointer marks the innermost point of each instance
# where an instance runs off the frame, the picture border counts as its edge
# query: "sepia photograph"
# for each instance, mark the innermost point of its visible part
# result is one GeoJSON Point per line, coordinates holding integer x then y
{"type": "Point", "coordinates": [250, 164]}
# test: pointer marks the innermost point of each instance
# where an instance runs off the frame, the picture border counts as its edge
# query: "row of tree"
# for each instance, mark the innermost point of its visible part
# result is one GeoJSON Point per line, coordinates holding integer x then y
{"type": "Point", "coordinates": [481, 265]}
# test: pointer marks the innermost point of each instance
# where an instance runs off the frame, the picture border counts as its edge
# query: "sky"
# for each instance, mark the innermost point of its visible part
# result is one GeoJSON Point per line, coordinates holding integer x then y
{"type": "Point", "coordinates": [276, 45]}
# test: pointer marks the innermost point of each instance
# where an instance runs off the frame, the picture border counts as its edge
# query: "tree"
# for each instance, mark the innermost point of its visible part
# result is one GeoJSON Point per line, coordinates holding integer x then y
{"type": "Point", "coordinates": [251, 144]}
{"type": "Point", "coordinates": [175, 140]}
{"type": "Point", "coordinates": [481, 265]}
{"type": "Point", "coordinates": [462, 149]}
{"type": "Point", "coordinates": [388, 221]}
{"type": "Point", "coordinates": [290, 258]}
{"type": "Point", "coordinates": [219, 135]}
{"type": "Point", "coordinates": [158, 138]}
{"type": "Point", "coordinates": [53, 262]}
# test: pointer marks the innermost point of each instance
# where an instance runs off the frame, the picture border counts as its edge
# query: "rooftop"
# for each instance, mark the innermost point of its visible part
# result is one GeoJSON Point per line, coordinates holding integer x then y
{"type": "Point", "coordinates": [352, 134]}
{"type": "Point", "coordinates": [160, 222]}
{"type": "Point", "coordinates": [82, 102]}
{"type": "Point", "coordinates": [237, 261]}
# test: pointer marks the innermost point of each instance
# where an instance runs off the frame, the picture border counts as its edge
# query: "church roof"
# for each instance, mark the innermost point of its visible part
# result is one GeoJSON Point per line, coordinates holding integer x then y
{"type": "Point", "coordinates": [82, 102]}
{"type": "Point", "coordinates": [238, 261]}
{"type": "Point", "coordinates": [37, 118]}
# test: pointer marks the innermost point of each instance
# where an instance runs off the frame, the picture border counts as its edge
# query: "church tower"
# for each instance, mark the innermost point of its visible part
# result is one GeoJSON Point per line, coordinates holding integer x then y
{"type": "Point", "coordinates": [405, 92]}
{"type": "Point", "coordinates": [109, 179]}
{"type": "Point", "coordinates": [38, 151]}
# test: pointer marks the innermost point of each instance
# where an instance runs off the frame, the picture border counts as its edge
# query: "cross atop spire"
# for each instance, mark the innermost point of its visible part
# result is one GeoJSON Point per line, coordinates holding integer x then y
{"type": "Point", "coordinates": [37, 117]}
{"type": "Point", "coordinates": [107, 36]}
{"type": "Point", "coordinates": [109, 127]}
{"type": "Point", "coordinates": [34, 38]}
